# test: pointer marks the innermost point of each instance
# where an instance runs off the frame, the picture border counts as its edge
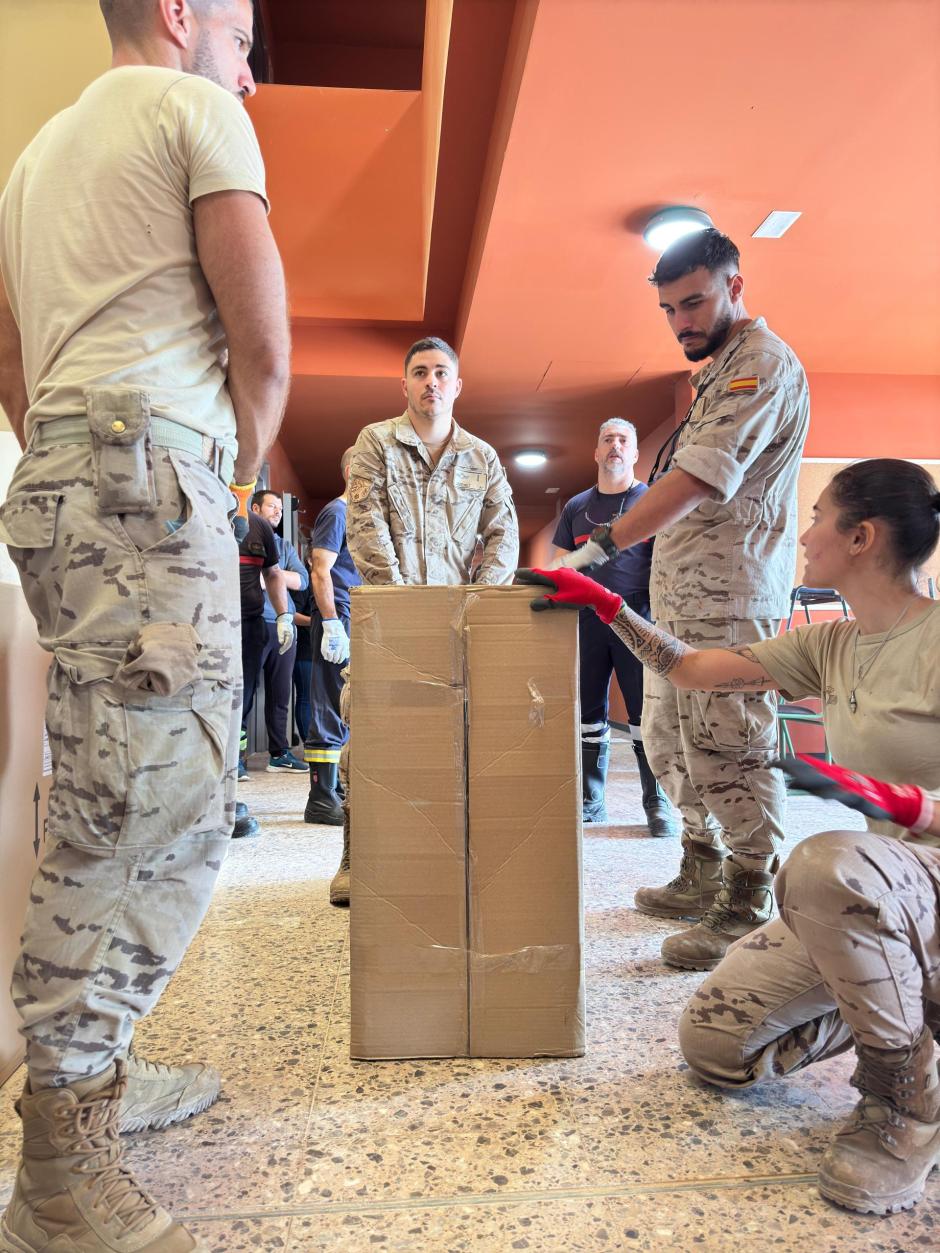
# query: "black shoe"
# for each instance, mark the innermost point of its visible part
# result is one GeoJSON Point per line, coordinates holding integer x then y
{"type": "Point", "coordinates": [660, 816]}
{"type": "Point", "coordinates": [594, 761]}
{"type": "Point", "coordinates": [245, 826]}
{"type": "Point", "coordinates": [323, 806]}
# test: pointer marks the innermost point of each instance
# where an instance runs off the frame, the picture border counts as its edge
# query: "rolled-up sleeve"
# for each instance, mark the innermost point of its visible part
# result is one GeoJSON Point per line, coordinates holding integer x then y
{"type": "Point", "coordinates": [734, 431]}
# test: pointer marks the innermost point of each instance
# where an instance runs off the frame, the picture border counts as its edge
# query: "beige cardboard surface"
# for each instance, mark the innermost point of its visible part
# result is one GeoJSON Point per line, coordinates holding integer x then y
{"type": "Point", "coordinates": [23, 667]}
{"type": "Point", "coordinates": [526, 931]}
{"type": "Point", "coordinates": [464, 789]}
{"type": "Point", "coordinates": [408, 922]}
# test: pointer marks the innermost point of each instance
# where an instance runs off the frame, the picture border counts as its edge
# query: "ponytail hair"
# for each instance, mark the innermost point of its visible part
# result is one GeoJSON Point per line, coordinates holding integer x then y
{"type": "Point", "coordinates": [896, 492]}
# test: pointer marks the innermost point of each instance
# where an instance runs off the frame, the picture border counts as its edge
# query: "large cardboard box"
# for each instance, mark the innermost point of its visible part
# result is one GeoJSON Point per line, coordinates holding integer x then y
{"type": "Point", "coordinates": [466, 921]}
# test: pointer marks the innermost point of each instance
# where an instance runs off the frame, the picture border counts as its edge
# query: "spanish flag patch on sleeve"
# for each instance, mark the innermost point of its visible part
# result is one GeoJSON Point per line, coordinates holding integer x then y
{"type": "Point", "coordinates": [744, 385]}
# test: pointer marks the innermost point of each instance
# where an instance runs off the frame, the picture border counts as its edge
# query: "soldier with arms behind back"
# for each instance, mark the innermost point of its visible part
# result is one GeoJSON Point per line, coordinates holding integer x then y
{"type": "Point", "coordinates": [117, 519]}
{"type": "Point", "coordinates": [423, 494]}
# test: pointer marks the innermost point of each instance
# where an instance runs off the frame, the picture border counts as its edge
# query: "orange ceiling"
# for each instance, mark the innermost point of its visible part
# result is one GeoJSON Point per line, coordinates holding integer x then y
{"type": "Point", "coordinates": [565, 124]}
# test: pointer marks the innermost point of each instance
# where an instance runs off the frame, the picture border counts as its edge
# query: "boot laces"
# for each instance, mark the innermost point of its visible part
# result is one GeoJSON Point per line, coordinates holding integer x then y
{"type": "Point", "coordinates": [895, 1086]}
{"type": "Point", "coordinates": [685, 877]}
{"type": "Point", "coordinates": [734, 902]}
{"type": "Point", "coordinates": [877, 1116]}
{"type": "Point", "coordinates": [91, 1131]}
{"type": "Point", "coordinates": [156, 1070]}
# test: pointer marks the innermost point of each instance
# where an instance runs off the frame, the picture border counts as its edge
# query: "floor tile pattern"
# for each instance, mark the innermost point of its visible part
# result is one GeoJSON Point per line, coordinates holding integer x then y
{"type": "Point", "coordinates": [620, 1149]}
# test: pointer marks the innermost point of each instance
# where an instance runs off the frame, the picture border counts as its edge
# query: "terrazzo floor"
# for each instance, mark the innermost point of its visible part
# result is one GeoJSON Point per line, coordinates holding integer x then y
{"type": "Point", "coordinates": [620, 1149]}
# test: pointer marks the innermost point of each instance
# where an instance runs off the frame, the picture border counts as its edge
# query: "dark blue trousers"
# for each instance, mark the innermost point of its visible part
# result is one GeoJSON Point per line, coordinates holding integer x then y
{"type": "Point", "coordinates": [327, 733]}
{"type": "Point", "coordinates": [601, 654]}
{"type": "Point", "coordinates": [302, 675]}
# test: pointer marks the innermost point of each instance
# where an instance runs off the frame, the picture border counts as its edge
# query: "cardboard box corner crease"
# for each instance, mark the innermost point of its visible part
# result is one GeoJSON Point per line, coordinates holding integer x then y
{"type": "Point", "coordinates": [466, 926]}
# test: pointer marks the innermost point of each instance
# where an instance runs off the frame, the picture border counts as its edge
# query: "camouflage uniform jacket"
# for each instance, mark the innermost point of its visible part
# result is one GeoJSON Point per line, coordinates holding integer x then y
{"type": "Point", "coordinates": [734, 555]}
{"type": "Point", "coordinates": [409, 521]}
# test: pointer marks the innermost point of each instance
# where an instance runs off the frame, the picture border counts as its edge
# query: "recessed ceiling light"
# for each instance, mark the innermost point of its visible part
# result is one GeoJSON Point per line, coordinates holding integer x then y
{"type": "Point", "coordinates": [776, 223]}
{"type": "Point", "coordinates": [530, 459]}
{"type": "Point", "coordinates": [669, 225]}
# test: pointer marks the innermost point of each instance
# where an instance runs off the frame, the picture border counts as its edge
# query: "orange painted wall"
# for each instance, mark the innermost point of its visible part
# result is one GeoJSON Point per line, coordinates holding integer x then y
{"type": "Point", "coordinates": [354, 242]}
{"type": "Point", "coordinates": [283, 478]}
{"type": "Point", "coordinates": [874, 415]}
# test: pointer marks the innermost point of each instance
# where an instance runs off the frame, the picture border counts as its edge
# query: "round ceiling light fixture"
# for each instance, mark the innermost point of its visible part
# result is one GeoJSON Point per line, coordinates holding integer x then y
{"type": "Point", "coordinates": [669, 225]}
{"type": "Point", "coordinates": [530, 458]}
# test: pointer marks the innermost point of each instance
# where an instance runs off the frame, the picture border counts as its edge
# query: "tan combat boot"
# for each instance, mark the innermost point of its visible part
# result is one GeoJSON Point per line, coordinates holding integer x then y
{"type": "Point", "coordinates": [692, 891]}
{"type": "Point", "coordinates": [73, 1191]}
{"type": "Point", "coordinates": [158, 1096]}
{"type": "Point", "coordinates": [745, 902]}
{"type": "Point", "coordinates": [339, 886]}
{"type": "Point", "coordinates": [879, 1160]}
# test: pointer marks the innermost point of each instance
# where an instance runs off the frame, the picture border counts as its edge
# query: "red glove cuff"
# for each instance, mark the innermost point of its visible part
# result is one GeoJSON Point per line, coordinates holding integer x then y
{"type": "Point", "coordinates": [907, 805]}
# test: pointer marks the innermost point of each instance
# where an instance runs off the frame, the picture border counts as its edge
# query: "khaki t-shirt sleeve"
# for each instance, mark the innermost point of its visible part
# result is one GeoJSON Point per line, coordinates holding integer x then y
{"type": "Point", "coordinates": [793, 660]}
{"type": "Point", "coordinates": [215, 139]}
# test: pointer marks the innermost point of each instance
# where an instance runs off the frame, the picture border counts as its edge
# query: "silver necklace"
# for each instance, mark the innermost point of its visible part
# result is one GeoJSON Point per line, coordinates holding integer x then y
{"type": "Point", "coordinates": [620, 505]}
{"type": "Point", "coordinates": [853, 703]}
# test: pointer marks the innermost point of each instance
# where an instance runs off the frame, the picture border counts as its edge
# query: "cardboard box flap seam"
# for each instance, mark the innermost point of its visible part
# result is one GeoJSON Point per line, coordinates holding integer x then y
{"type": "Point", "coordinates": [531, 959]}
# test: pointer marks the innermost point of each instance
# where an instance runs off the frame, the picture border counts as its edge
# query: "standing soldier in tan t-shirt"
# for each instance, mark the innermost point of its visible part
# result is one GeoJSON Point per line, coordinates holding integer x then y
{"type": "Point", "coordinates": [725, 522]}
{"type": "Point", "coordinates": [141, 369]}
{"type": "Point", "coordinates": [422, 494]}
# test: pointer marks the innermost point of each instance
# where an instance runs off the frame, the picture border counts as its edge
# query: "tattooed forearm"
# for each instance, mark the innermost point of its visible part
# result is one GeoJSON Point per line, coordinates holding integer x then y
{"type": "Point", "coordinates": [655, 648]}
{"type": "Point", "coordinates": [759, 683]}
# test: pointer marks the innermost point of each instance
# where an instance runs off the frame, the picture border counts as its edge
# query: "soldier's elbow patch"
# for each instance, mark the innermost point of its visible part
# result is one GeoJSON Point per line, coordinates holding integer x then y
{"type": "Point", "coordinates": [135, 769]}
{"type": "Point", "coordinates": [359, 489]}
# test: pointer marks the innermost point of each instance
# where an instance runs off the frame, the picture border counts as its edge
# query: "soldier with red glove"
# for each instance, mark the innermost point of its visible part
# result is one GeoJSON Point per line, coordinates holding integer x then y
{"type": "Point", "coordinates": [854, 958]}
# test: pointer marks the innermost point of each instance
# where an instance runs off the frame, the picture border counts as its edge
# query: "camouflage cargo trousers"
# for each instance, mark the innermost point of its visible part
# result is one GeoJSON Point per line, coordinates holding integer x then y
{"type": "Point", "coordinates": [711, 751]}
{"type": "Point", "coordinates": [141, 613]}
{"type": "Point", "coordinates": [854, 955]}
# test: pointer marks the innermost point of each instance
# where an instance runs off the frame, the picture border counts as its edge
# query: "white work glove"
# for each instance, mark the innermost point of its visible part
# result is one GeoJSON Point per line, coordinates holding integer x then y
{"type": "Point", "coordinates": [596, 552]}
{"type": "Point", "coordinates": [334, 646]}
{"type": "Point", "coordinates": [286, 632]}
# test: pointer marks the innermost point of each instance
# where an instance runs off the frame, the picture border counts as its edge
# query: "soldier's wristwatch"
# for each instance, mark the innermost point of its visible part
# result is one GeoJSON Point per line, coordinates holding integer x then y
{"type": "Point", "coordinates": [601, 536]}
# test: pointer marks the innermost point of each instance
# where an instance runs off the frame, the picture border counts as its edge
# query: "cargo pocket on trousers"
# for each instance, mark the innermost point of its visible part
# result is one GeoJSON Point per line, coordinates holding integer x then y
{"type": "Point", "coordinates": [732, 722]}
{"type": "Point", "coordinates": [137, 770]}
{"type": "Point", "coordinates": [27, 527]}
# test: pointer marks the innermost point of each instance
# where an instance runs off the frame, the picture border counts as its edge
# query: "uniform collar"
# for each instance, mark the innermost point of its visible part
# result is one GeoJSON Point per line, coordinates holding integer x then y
{"type": "Point", "coordinates": [708, 372]}
{"type": "Point", "coordinates": [406, 434]}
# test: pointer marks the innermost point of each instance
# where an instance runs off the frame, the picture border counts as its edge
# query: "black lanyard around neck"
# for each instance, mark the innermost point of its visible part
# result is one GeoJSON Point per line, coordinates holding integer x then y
{"type": "Point", "coordinates": [669, 446]}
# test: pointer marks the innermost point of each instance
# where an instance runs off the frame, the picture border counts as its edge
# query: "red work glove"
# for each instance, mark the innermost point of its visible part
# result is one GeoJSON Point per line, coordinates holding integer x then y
{"type": "Point", "coordinates": [904, 804]}
{"type": "Point", "coordinates": [570, 587]}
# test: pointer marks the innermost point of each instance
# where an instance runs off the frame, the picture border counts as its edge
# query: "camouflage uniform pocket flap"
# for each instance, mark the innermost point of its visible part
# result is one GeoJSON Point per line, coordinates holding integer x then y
{"type": "Point", "coordinates": [163, 659]}
{"type": "Point", "coordinates": [27, 519]}
{"type": "Point", "coordinates": [470, 480]}
{"type": "Point", "coordinates": [117, 415]}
